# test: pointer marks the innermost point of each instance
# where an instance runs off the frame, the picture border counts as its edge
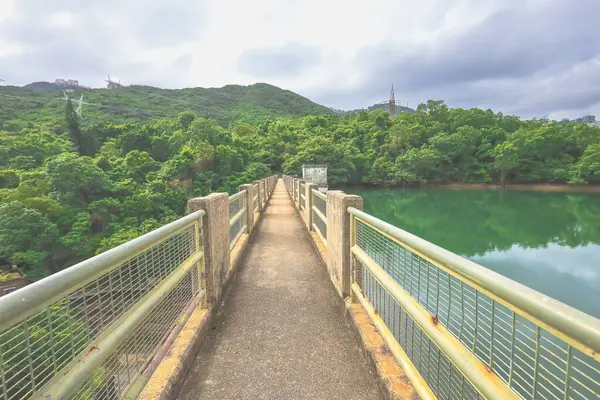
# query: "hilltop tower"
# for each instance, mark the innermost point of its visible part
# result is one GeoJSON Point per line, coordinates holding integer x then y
{"type": "Point", "coordinates": [392, 103]}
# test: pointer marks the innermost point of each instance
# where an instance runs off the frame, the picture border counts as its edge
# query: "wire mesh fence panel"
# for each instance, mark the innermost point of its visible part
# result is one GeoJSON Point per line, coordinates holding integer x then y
{"type": "Point", "coordinates": [302, 189]}
{"type": "Point", "coordinates": [114, 377]}
{"type": "Point", "coordinates": [444, 379]}
{"type": "Point", "coordinates": [320, 201]}
{"type": "Point", "coordinates": [35, 349]}
{"type": "Point", "coordinates": [534, 363]}
{"type": "Point", "coordinates": [237, 217]}
{"type": "Point", "coordinates": [255, 197]}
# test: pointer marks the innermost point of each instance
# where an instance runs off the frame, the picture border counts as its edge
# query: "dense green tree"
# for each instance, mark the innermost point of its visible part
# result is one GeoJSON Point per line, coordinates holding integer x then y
{"type": "Point", "coordinates": [587, 170]}
{"type": "Point", "coordinates": [82, 142]}
{"type": "Point", "coordinates": [26, 237]}
{"type": "Point", "coordinates": [76, 180]}
{"type": "Point", "coordinates": [132, 177]}
{"type": "Point", "coordinates": [506, 159]}
{"type": "Point", "coordinates": [9, 179]}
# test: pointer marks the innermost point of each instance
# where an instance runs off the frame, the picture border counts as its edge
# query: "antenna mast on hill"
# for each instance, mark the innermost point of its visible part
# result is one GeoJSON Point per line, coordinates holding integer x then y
{"type": "Point", "coordinates": [80, 103]}
{"type": "Point", "coordinates": [79, 108]}
{"type": "Point", "coordinates": [392, 103]}
{"type": "Point", "coordinates": [110, 84]}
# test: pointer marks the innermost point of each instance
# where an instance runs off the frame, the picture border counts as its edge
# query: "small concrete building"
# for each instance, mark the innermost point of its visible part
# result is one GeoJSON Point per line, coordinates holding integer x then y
{"type": "Point", "coordinates": [316, 174]}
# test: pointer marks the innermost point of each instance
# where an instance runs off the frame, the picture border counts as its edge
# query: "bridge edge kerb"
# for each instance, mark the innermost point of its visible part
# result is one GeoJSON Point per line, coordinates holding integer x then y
{"type": "Point", "coordinates": [391, 379]}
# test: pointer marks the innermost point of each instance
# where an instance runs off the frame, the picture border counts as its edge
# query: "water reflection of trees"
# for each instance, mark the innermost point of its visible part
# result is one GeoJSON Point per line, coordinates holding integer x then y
{"type": "Point", "coordinates": [473, 222]}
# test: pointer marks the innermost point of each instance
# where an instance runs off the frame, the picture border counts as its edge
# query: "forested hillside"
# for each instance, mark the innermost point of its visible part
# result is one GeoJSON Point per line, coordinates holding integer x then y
{"type": "Point", "coordinates": [70, 189]}
{"type": "Point", "coordinates": [440, 145]}
{"type": "Point", "coordinates": [67, 196]}
{"type": "Point", "coordinates": [229, 104]}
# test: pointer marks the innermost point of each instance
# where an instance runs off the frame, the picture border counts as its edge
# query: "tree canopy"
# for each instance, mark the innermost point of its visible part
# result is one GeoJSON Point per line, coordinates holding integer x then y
{"type": "Point", "coordinates": [70, 189]}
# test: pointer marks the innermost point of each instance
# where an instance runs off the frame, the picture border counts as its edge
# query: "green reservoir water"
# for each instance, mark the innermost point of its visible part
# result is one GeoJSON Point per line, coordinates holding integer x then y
{"type": "Point", "coordinates": [547, 241]}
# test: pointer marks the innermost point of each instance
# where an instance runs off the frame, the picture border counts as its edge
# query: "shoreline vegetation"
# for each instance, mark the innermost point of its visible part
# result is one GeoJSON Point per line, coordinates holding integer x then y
{"type": "Point", "coordinates": [537, 187]}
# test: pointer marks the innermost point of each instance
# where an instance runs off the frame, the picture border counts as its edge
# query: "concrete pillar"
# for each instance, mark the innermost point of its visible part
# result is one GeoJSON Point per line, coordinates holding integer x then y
{"type": "Point", "coordinates": [260, 207]}
{"type": "Point", "coordinates": [294, 191]}
{"type": "Point", "coordinates": [215, 235]}
{"type": "Point", "coordinates": [299, 181]}
{"type": "Point", "coordinates": [266, 191]}
{"type": "Point", "coordinates": [308, 215]}
{"type": "Point", "coordinates": [338, 238]}
{"type": "Point", "coordinates": [249, 207]}
{"type": "Point", "coordinates": [262, 193]}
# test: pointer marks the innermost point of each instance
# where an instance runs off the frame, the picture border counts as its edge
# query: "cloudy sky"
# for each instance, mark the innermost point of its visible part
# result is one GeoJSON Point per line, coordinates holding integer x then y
{"type": "Point", "coordinates": [529, 57]}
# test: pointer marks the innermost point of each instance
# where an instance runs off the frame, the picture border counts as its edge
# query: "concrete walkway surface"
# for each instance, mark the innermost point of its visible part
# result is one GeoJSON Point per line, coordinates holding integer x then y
{"type": "Point", "coordinates": [282, 333]}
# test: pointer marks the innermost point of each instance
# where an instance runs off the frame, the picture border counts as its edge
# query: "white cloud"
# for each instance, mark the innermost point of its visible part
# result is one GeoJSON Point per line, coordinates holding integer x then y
{"type": "Point", "coordinates": [62, 20]}
{"type": "Point", "coordinates": [341, 53]}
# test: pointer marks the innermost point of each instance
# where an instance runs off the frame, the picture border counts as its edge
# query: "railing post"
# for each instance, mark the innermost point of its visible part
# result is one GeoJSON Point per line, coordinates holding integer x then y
{"type": "Point", "coordinates": [249, 207]}
{"type": "Point", "coordinates": [266, 191]}
{"type": "Point", "coordinates": [215, 243]}
{"type": "Point", "coordinates": [308, 212]}
{"type": "Point", "coordinates": [298, 199]}
{"type": "Point", "coordinates": [258, 199]}
{"type": "Point", "coordinates": [294, 191]}
{"type": "Point", "coordinates": [338, 238]}
{"type": "Point", "coordinates": [353, 276]}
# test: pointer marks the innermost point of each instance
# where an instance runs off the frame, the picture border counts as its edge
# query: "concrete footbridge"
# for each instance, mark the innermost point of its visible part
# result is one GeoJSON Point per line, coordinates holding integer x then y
{"type": "Point", "coordinates": [281, 291]}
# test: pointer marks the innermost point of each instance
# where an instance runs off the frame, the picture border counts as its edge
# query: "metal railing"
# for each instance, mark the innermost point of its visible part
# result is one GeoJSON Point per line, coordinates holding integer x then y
{"type": "Point", "coordinates": [237, 217]}
{"type": "Point", "coordinates": [92, 330]}
{"type": "Point", "coordinates": [98, 330]}
{"type": "Point", "coordinates": [319, 216]}
{"type": "Point", "coordinates": [261, 195]}
{"type": "Point", "coordinates": [255, 197]}
{"type": "Point", "coordinates": [287, 182]}
{"type": "Point", "coordinates": [302, 189]}
{"type": "Point", "coordinates": [463, 331]}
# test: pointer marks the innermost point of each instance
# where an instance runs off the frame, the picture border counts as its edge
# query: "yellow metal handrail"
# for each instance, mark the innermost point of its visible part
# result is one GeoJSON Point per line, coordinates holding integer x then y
{"type": "Point", "coordinates": [536, 346]}
{"type": "Point", "coordinates": [59, 335]}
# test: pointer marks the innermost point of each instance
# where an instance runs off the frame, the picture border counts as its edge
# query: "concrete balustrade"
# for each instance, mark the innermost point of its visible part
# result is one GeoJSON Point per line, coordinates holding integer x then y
{"type": "Point", "coordinates": [259, 198]}
{"type": "Point", "coordinates": [249, 207]}
{"type": "Point", "coordinates": [216, 232]}
{"type": "Point", "coordinates": [332, 245]}
{"type": "Point", "coordinates": [308, 214]}
{"type": "Point", "coordinates": [338, 237]}
{"type": "Point", "coordinates": [220, 264]}
{"type": "Point", "coordinates": [297, 201]}
{"type": "Point", "coordinates": [337, 257]}
{"type": "Point", "coordinates": [215, 240]}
